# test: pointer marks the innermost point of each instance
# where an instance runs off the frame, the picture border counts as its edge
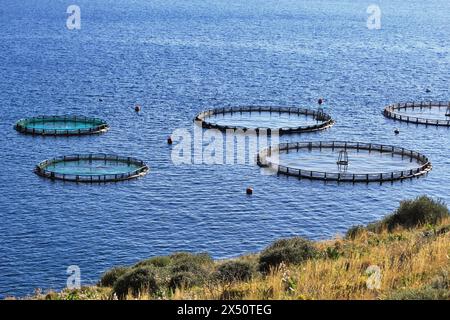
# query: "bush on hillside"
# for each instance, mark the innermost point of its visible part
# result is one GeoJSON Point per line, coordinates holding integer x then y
{"type": "Point", "coordinates": [290, 251]}
{"type": "Point", "coordinates": [136, 282]}
{"type": "Point", "coordinates": [199, 259]}
{"type": "Point", "coordinates": [234, 271]}
{"type": "Point", "coordinates": [110, 277]}
{"type": "Point", "coordinates": [185, 280]}
{"type": "Point", "coordinates": [413, 213]}
{"type": "Point", "coordinates": [197, 264]}
{"type": "Point", "coordinates": [187, 269]}
{"type": "Point", "coordinates": [158, 261]}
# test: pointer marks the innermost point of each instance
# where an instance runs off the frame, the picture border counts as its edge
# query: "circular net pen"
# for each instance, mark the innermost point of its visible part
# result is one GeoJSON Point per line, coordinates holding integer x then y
{"type": "Point", "coordinates": [265, 118]}
{"type": "Point", "coordinates": [92, 168]}
{"type": "Point", "coordinates": [61, 126]}
{"type": "Point", "coordinates": [420, 113]}
{"type": "Point", "coordinates": [354, 162]}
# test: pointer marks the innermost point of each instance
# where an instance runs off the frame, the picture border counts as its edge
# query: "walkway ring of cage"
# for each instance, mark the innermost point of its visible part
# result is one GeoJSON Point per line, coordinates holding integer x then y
{"type": "Point", "coordinates": [325, 120]}
{"type": "Point", "coordinates": [140, 168]}
{"type": "Point", "coordinates": [393, 111]}
{"type": "Point", "coordinates": [423, 169]}
{"type": "Point", "coordinates": [72, 125]}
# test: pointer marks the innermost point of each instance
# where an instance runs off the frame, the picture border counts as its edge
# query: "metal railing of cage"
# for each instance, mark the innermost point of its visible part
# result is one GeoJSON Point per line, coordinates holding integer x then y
{"type": "Point", "coordinates": [424, 168]}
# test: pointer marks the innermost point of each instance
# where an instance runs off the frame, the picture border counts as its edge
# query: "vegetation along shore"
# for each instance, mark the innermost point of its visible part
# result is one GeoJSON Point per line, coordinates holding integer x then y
{"type": "Point", "coordinates": [404, 256]}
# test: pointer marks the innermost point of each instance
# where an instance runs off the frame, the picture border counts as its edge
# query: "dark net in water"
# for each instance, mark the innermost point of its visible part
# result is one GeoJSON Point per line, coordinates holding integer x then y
{"type": "Point", "coordinates": [268, 118]}
{"type": "Point", "coordinates": [420, 113]}
{"type": "Point", "coordinates": [407, 164]}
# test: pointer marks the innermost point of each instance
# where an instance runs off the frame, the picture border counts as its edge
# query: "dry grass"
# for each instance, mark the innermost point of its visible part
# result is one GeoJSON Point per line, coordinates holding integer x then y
{"type": "Point", "coordinates": [414, 264]}
{"type": "Point", "coordinates": [408, 260]}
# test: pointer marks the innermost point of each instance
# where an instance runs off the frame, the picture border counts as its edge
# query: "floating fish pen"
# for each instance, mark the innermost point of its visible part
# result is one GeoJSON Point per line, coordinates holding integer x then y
{"type": "Point", "coordinates": [344, 161]}
{"type": "Point", "coordinates": [92, 168]}
{"type": "Point", "coordinates": [265, 118]}
{"type": "Point", "coordinates": [420, 113]}
{"type": "Point", "coordinates": [61, 126]}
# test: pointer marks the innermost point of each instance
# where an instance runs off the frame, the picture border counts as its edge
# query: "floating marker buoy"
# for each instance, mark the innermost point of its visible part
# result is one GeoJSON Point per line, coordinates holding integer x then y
{"type": "Point", "coordinates": [169, 140]}
{"type": "Point", "coordinates": [137, 108]}
{"type": "Point", "coordinates": [320, 101]}
{"type": "Point", "coordinates": [396, 131]}
{"type": "Point", "coordinates": [249, 190]}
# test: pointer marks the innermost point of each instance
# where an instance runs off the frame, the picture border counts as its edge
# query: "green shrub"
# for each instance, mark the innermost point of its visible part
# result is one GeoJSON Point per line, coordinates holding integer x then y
{"type": "Point", "coordinates": [414, 213]}
{"type": "Point", "coordinates": [184, 280]}
{"type": "Point", "coordinates": [233, 271]}
{"type": "Point", "coordinates": [160, 273]}
{"type": "Point", "coordinates": [110, 277]}
{"type": "Point", "coordinates": [289, 251]}
{"type": "Point", "coordinates": [188, 262]}
{"type": "Point", "coordinates": [199, 259]}
{"type": "Point", "coordinates": [135, 282]}
{"type": "Point", "coordinates": [188, 269]}
{"type": "Point", "coordinates": [158, 261]}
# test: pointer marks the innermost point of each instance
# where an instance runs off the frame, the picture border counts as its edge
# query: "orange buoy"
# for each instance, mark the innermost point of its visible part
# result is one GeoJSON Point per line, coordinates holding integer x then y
{"type": "Point", "coordinates": [137, 108]}
{"type": "Point", "coordinates": [249, 190]}
{"type": "Point", "coordinates": [169, 140]}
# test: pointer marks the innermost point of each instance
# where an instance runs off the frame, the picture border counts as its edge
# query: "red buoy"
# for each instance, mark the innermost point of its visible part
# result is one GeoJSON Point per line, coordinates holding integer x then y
{"type": "Point", "coordinates": [249, 190]}
{"type": "Point", "coordinates": [169, 140]}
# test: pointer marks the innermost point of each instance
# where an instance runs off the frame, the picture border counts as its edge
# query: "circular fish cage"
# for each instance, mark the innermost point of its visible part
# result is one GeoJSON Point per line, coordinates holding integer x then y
{"type": "Point", "coordinates": [92, 168]}
{"type": "Point", "coordinates": [61, 126]}
{"type": "Point", "coordinates": [420, 113]}
{"type": "Point", "coordinates": [265, 118]}
{"type": "Point", "coordinates": [344, 161]}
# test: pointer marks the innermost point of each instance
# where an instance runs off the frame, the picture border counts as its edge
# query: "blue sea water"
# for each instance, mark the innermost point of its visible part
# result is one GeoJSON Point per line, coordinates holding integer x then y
{"type": "Point", "coordinates": [176, 58]}
{"type": "Point", "coordinates": [273, 120]}
{"type": "Point", "coordinates": [92, 167]}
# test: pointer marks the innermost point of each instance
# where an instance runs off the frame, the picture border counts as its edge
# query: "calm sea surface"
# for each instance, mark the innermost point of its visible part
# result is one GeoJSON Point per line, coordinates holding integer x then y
{"type": "Point", "coordinates": [176, 58]}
